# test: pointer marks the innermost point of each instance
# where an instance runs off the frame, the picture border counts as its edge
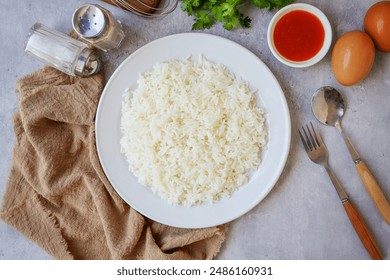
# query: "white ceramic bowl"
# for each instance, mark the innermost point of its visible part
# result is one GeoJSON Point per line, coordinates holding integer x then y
{"type": "Point", "coordinates": [325, 23]}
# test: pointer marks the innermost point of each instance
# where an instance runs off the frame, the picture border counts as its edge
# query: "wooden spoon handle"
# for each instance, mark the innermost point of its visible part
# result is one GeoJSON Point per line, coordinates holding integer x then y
{"type": "Point", "coordinates": [362, 231]}
{"type": "Point", "coordinates": [374, 190]}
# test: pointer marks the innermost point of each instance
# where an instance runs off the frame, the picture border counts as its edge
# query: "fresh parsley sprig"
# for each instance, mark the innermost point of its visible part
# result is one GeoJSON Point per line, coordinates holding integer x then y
{"type": "Point", "coordinates": [207, 12]}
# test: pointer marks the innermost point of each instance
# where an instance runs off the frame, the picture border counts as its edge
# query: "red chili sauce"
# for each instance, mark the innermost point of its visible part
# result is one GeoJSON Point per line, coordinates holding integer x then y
{"type": "Point", "coordinates": [299, 35]}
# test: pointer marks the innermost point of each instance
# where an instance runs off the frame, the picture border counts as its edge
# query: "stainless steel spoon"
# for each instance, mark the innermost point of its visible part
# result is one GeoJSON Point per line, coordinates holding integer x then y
{"type": "Point", "coordinates": [328, 107]}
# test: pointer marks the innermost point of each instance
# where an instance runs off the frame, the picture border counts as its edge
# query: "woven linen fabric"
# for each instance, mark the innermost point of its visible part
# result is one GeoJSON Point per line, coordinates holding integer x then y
{"type": "Point", "coordinates": [57, 194]}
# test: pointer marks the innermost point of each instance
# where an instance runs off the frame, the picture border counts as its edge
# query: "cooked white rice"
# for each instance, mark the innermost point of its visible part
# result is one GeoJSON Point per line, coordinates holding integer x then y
{"type": "Point", "coordinates": [192, 131]}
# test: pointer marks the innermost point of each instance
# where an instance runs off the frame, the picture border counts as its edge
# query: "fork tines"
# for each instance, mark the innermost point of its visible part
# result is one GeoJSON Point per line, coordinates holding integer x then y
{"type": "Point", "coordinates": [311, 139]}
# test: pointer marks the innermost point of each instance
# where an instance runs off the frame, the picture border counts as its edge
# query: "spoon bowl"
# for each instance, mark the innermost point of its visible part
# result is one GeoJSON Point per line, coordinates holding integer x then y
{"type": "Point", "coordinates": [328, 106]}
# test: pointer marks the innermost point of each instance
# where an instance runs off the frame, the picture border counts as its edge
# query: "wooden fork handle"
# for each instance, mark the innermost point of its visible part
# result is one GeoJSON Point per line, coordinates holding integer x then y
{"type": "Point", "coordinates": [374, 190]}
{"type": "Point", "coordinates": [362, 231]}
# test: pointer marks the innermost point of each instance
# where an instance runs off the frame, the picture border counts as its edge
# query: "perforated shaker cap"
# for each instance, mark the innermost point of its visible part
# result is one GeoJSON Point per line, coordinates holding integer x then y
{"type": "Point", "coordinates": [89, 21]}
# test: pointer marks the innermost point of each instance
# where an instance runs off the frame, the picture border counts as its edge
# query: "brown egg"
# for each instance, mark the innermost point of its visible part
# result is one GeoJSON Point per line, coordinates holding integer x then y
{"type": "Point", "coordinates": [377, 25]}
{"type": "Point", "coordinates": [352, 57]}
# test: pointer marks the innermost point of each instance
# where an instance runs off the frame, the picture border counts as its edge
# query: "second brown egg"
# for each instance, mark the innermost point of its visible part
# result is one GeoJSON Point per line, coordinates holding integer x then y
{"type": "Point", "coordinates": [377, 25]}
{"type": "Point", "coordinates": [352, 57]}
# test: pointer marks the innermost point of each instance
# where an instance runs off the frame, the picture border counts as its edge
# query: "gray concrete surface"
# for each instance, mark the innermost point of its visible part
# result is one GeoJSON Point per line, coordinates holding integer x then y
{"type": "Point", "coordinates": [302, 217]}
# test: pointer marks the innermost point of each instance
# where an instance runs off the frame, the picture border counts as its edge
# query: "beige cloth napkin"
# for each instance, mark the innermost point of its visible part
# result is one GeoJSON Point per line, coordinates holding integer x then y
{"type": "Point", "coordinates": [57, 194]}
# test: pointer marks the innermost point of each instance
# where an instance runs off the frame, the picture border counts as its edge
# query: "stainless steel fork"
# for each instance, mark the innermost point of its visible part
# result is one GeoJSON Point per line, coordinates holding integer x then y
{"type": "Point", "coordinates": [318, 153]}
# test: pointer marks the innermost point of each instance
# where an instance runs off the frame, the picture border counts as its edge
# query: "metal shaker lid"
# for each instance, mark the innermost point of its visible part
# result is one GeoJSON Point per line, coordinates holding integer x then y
{"type": "Point", "coordinates": [89, 21]}
{"type": "Point", "coordinates": [88, 63]}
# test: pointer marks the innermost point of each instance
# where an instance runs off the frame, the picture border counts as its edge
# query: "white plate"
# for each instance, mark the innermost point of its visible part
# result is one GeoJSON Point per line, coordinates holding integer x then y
{"type": "Point", "coordinates": [245, 65]}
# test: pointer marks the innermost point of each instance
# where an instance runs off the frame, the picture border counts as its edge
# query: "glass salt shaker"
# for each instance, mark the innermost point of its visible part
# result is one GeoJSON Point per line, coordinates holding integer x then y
{"type": "Point", "coordinates": [61, 51]}
{"type": "Point", "coordinates": [97, 26]}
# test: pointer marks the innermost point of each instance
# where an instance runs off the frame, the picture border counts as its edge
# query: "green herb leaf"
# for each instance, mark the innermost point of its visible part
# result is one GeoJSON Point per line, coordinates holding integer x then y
{"type": "Point", "coordinates": [230, 23]}
{"type": "Point", "coordinates": [228, 10]}
{"type": "Point", "coordinates": [262, 4]}
{"type": "Point", "coordinates": [202, 21]}
{"type": "Point", "coordinates": [187, 7]}
{"type": "Point", "coordinates": [245, 22]}
{"type": "Point", "coordinates": [217, 13]}
{"type": "Point", "coordinates": [271, 4]}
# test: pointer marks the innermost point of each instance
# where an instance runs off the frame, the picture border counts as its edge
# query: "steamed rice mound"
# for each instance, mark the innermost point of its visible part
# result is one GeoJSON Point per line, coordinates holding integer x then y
{"type": "Point", "coordinates": [192, 132]}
